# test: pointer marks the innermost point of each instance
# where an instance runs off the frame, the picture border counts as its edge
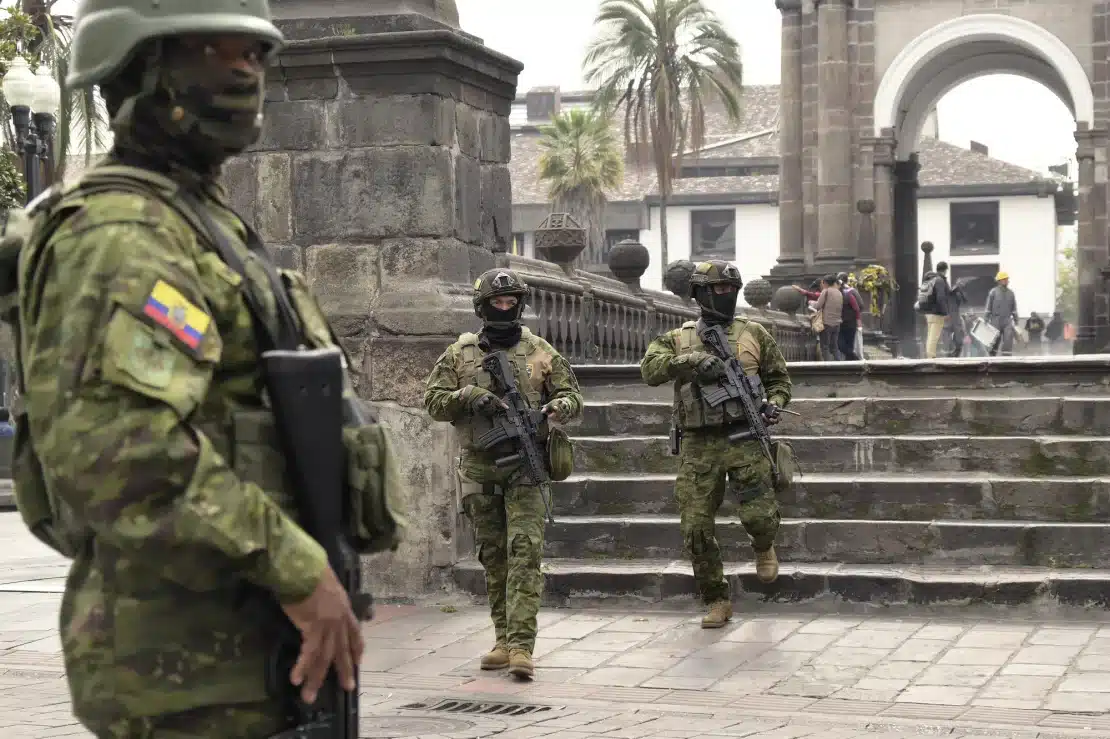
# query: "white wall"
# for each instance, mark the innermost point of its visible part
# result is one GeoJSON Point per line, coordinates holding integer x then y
{"type": "Point", "coordinates": [757, 240]}
{"type": "Point", "coordinates": [1027, 245]}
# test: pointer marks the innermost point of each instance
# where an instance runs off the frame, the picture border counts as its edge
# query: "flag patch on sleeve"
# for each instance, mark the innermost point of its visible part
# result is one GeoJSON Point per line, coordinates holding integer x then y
{"type": "Point", "coordinates": [171, 310]}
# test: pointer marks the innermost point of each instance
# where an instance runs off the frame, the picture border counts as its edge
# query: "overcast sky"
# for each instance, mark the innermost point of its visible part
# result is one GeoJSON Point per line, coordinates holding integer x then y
{"type": "Point", "coordinates": [1018, 119]}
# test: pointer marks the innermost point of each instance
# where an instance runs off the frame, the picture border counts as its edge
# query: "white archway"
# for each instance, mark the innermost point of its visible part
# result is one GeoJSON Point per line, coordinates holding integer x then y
{"type": "Point", "coordinates": [1010, 45]}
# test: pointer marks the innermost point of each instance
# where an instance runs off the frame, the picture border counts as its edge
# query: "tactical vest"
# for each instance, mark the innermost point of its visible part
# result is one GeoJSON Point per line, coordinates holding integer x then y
{"type": "Point", "coordinates": [531, 366]}
{"type": "Point", "coordinates": [690, 410]}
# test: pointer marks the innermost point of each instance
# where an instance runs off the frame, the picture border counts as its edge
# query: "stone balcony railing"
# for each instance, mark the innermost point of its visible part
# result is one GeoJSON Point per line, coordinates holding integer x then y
{"type": "Point", "coordinates": [591, 319]}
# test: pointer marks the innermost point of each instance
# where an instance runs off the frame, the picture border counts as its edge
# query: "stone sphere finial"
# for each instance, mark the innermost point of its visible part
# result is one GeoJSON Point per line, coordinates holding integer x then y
{"type": "Point", "coordinates": [628, 261]}
{"type": "Point", "coordinates": [787, 300]}
{"type": "Point", "coordinates": [758, 293]}
{"type": "Point", "coordinates": [927, 247]}
{"type": "Point", "coordinates": [560, 239]}
{"type": "Point", "coordinates": [676, 278]}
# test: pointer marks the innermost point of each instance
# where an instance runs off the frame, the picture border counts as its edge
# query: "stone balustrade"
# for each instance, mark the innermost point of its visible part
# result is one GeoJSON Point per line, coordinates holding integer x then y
{"type": "Point", "coordinates": [591, 319]}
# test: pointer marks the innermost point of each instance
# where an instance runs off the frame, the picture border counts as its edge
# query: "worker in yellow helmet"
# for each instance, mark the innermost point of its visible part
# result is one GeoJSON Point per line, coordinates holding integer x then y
{"type": "Point", "coordinates": [1001, 313]}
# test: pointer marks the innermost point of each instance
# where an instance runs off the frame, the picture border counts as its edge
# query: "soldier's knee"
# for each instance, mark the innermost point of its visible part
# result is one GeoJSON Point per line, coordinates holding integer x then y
{"type": "Point", "coordinates": [491, 555]}
{"type": "Point", "coordinates": [761, 519]}
{"type": "Point", "coordinates": [527, 548]}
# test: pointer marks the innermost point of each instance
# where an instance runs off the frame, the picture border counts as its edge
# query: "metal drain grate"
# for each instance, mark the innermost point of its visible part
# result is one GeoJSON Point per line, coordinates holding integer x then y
{"type": "Point", "coordinates": [478, 708]}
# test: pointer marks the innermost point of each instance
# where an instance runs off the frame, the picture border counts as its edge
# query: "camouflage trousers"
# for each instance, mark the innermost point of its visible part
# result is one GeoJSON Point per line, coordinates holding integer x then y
{"type": "Point", "coordinates": [508, 522]}
{"type": "Point", "coordinates": [710, 465]}
{"type": "Point", "coordinates": [243, 721]}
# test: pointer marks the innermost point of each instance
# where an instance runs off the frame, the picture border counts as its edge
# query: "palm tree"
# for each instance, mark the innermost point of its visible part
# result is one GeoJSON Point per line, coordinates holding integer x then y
{"type": "Point", "coordinates": [580, 161]}
{"type": "Point", "coordinates": [662, 62]}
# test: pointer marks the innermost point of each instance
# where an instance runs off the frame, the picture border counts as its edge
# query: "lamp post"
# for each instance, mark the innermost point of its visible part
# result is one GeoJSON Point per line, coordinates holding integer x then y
{"type": "Point", "coordinates": [34, 100]}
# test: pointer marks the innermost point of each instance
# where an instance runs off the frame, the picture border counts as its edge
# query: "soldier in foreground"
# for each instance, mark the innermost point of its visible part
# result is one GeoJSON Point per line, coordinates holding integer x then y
{"type": "Point", "coordinates": [152, 458]}
{"type": "Point", "coordinates": [709, 463]}
{"type": "Point", "coordinates": [506, 511]}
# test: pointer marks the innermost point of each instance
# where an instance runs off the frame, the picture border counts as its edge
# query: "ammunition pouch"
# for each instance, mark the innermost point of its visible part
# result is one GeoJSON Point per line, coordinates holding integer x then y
{"type": "Point", "coordinates": [787, 464]}
{"type": "Point", "coordinates": [373, 490]}
{"type": "Point", "coordinates": [560, 454]}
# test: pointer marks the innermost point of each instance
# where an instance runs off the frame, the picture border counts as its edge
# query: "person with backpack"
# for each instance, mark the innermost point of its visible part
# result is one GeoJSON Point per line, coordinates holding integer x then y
{"type": "Point", "coordinates": [932, 301]}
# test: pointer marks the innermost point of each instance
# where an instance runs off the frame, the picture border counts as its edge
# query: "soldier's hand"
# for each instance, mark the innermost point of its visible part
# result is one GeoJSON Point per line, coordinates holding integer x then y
{"type": "Point", "coordinates": [558, 410]}
{"type": "Point", "coordinates": [709, 369]}
{"type": "Point", "coordinates": [482, 402]}
{"type": "Point", "coordinates": [771, 413]}
{"type": "Point", "coordinates": [330, 635]}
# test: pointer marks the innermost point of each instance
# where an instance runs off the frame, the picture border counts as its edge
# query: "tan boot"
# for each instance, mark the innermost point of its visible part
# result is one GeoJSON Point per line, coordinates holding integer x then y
{"type": "Point", "coordinates": [520, 664]}
{"type": "Point", "coordinates": [497, 658]}
{"type": "Point", "coordinates": [767, 565]}
{"type": "Point", "coordinates": [719, 615]}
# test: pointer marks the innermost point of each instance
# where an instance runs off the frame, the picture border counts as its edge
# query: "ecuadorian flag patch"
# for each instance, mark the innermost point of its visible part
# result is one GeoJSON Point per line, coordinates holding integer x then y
{"type": "Point", "coordinates": [169, 309]}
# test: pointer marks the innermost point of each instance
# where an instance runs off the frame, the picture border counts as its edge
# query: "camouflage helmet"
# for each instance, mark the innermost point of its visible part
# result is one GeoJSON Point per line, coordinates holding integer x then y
{"type": "Point", "coordinates": [495, 282]}
{"type": "Point", "coordinates": [715, 272]}
{"type": "Point", "coordinates": [715, 307]}
{"type": "Point", "coordinates": [108, 32]}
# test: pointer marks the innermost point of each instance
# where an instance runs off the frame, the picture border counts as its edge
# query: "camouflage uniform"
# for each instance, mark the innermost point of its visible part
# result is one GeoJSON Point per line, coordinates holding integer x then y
{"type": "Point", "coordinates": [707, 458]}
{"type": "Point", "coordinates": [507, 516]}
{"type": "Point", "coordinates": [144, 397]}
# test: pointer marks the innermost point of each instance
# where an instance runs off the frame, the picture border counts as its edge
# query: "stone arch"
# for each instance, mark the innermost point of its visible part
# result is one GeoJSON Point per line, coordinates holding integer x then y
{"type": "Point", "coordinates": [970, 46]}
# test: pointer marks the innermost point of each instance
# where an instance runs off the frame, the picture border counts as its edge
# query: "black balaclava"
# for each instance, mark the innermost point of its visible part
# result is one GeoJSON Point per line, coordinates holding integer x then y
{"type": "Point", "coordinates": [716, 308]}
{"type": "Point", "coordinates": [182, 113]}
{"type": "Point", "coordinates": [502, 328]}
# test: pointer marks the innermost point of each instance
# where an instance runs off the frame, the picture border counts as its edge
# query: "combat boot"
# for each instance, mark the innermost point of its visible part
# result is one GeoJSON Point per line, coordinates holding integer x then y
{"type": "Point", "coordinates": [497, 658]}
{"type": "Point", "coordinates": [719, 615]}
{"type": "Point", "coordinates": [520, 663]}
{"type": "Point", "coordinates": [767, 565]}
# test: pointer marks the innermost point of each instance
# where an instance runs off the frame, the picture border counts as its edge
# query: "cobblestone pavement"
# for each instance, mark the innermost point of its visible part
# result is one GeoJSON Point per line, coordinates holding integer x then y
{"type": "Point", "coordinates": [786, 674]}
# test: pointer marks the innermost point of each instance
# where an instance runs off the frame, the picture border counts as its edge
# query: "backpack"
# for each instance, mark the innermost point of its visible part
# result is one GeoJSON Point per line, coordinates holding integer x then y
{"type": "Point", "coordinates": [927, 295]}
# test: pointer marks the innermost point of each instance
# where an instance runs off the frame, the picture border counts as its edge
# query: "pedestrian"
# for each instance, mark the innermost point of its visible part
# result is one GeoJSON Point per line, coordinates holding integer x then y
{"type": "Point", "coordinates": [1054, 332]}
{"type": "Point", "coordinates": [826, 301]}
{"type": "Point", "coordinates": [149, 420]}
{"type": "Point", "coordinates": [709, 463]}
{"type": "Point", "coordinates": [1034, 329]}
{"type": "Point", "coordinates": [932, 301]}
{"type": "Point", "coordinates": [6, 427]}
{"type": "Point", "coordinates": [851, 322]}
{"type": "Point", "coordinates": [1001, 312]}
{"type": "Point", "coordinates": [506, 511]}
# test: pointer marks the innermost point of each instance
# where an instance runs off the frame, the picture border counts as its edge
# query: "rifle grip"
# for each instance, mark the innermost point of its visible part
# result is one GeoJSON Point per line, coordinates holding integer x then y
{"type": "Point", "coordinates": [508, 461]}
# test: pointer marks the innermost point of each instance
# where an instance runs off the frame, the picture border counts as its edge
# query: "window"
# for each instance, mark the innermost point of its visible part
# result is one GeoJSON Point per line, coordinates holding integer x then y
{"type": "Point", "coordinates": [974, 228]}
{"type": "Point", "coordinates": [517, 247]}
{"type": "Point", "coordinates": [713, 234]}
{"type": "Point", "coordinates": [615, 236]}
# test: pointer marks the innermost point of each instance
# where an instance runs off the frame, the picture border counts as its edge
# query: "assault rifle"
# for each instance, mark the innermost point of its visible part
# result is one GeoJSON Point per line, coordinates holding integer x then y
{"type": "Point", "coordinates": [310, 410]}
{"type": "Point", "coordinates": [518, 423]}
{"type": "Point", "coordinates": [736, 385]}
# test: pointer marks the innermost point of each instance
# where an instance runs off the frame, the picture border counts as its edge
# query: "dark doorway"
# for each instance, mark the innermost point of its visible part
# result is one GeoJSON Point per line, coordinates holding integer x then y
{"type": "Point", "coordinates": [976, 280]}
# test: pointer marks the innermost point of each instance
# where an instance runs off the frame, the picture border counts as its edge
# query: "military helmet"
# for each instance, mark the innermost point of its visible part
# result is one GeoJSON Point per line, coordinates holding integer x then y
{"type": "Point", "coordinates": [496, 282]}
{"type": "Point", "coordinates": [715, 272]}
{"type": "Point", "coordinates": [108, 32]}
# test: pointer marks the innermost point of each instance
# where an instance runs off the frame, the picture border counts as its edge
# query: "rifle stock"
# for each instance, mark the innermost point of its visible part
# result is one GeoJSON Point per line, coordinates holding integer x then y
{"type": "Point", "coordinates": [310, 410]}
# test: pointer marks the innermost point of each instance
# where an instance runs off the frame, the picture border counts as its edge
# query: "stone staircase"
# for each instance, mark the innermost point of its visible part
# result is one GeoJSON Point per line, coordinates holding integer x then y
{"type": "Point", "coordinates": [958, 481]}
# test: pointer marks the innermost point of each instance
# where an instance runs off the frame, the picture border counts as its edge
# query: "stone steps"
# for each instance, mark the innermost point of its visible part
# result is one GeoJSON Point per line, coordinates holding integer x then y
{"type": "Point", "coordinates": [1087, 456]}
{"type": "Point", "coordinates": [880, 496]}
{"type": "Point", "coordinates": [991, 416]}
{"type": "Point", "coordinates": [1033, 544]}
{"type": "Point", "coordinates": [669, 582]}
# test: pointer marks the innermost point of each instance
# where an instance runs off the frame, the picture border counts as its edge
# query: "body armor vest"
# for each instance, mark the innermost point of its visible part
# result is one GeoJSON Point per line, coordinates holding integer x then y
{"type": "Point", "coordinates": [690, 410]}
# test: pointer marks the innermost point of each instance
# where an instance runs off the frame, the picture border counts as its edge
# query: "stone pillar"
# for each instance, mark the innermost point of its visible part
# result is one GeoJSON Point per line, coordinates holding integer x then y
{"type": "Point", "coordinates": [834, 138]}
{"type": "Point", "coordinates": [383, 173]}
{"type": "Point", "coordinates": [791, 259]}
{"type": "Point", "coordinates": [905, 254]}
{"type": "Point", "coordinates": [1091, 256]}
{"type": "Point", "coordinates": [884, 200]}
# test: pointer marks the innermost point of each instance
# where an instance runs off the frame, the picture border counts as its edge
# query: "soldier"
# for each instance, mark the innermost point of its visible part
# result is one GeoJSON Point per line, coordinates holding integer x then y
{"type": "Point", "coordinates": [507, 515]}
{"type": "Point", "coordinates": [155, 445]}
{"type": "Point", "coordinates": [707, 457]}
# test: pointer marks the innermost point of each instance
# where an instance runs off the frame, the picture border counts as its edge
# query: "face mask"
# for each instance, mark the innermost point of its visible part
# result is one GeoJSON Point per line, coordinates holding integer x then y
{"type": "Point", "coordinates": [502, 327]}
{"type": "Point", "coordinates": [717, 308]}
{"type": "Point", "coordinates": [217, 110]}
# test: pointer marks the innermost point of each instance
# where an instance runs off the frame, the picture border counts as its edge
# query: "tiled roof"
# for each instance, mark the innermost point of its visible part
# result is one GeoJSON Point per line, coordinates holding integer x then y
{"type": "Point", "coordinates": [942, 164]}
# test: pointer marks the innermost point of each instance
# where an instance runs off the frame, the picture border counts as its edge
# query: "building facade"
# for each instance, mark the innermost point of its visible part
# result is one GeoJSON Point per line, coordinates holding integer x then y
{"type": "Point", "coordinates": [981, 214]}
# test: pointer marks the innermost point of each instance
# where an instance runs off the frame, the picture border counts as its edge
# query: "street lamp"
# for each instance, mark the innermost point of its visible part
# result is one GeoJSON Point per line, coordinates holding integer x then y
{"type": "Point", "coordinates": [35, 100]}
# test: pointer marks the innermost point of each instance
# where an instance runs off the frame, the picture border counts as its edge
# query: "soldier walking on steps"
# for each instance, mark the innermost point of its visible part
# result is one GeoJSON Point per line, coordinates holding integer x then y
{"type": "Point", "coordinates": [506, 511]}
{"type": "Point", "coordinates": [149, 451]}
{"type": "Point", "coordinates": [709, 463]}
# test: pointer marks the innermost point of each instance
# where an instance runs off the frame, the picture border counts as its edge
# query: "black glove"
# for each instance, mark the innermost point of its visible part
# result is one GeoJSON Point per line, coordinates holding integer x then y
{"type": "Point", "coordinates": [771, 413]}
{"type": "Point", "coordinates": [709, 369]}
{"type": "Point", "coordinates": [482, 402]}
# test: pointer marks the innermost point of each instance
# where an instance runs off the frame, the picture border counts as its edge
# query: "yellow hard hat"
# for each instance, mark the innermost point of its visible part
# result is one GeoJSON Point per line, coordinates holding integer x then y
{"type": "Point", "coordinates": [1001, 276]}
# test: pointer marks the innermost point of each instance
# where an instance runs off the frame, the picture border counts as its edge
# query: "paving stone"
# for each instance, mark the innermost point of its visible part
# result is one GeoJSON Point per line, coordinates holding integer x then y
{"type": "Point", "coordinates": [1061, 637]}
{"type": "Point", "coordinates": [1061, 655]}
{"type": "Point", "coordinates": [946, 695]}
{"type": "Point", "coordinates": [897, 670]}
{"type": "Point", "coordinates": [920, 650]}
{"type": "Point", "coordinates": [972, 676]}
{"type": "Point", "coordinates": [969, 656]}
{"type": "Point", "coordinates": [1086, 682]}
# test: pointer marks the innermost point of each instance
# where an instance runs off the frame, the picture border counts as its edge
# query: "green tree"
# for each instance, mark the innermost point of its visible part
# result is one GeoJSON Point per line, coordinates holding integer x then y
{"type": "Point", "coordinates": [1067, 283]}
{"type": "Point", "coordinates": [662, 62]}
{"type": "Point", "coordinates": [581, 160]}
